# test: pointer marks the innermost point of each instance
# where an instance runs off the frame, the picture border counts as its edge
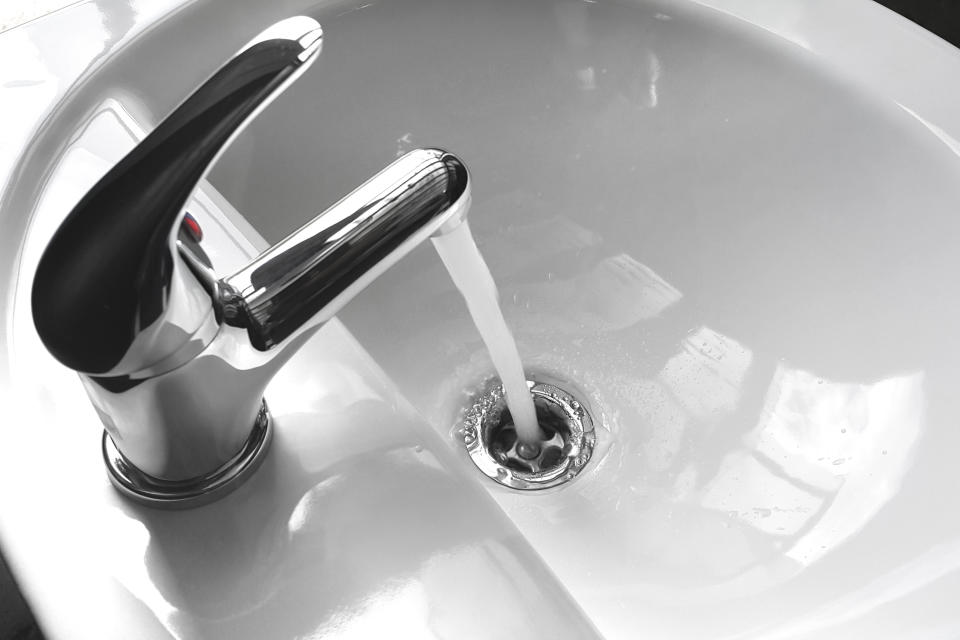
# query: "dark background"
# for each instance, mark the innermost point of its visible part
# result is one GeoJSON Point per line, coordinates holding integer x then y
{"type": "Point", "coordinates": [939, 16]}
{"type": "Point", "coordinates": [942, 17]}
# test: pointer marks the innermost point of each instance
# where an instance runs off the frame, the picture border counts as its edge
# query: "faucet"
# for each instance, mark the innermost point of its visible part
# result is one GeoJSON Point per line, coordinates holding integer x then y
{"type": "Point", "coordinates": [174, 358]}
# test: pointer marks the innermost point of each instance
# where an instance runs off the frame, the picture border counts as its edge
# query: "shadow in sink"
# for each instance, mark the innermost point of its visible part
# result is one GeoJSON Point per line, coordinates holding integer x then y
{"type": "Point", "coordinates": [338, 535]}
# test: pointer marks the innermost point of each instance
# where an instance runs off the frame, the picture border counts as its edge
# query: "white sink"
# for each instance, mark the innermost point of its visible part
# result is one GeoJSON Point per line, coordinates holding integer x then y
{"type": "Point", "coordinates": [730, 223]}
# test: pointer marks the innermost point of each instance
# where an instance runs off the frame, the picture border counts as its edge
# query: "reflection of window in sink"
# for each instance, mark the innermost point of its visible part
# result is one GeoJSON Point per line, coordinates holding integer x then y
{"type": "Point", "coordinates": [707, 374]}
{"type": "Point", "coordinates": [615, 293]}
{"type": "Point", "coordinates": [554, 239]}
{"type": "Point", "coordinates": [750, 492]}
{"type": "Point", "coordinates": [824, 459]}
{"type": "Point", "coordinates": [694, 391]}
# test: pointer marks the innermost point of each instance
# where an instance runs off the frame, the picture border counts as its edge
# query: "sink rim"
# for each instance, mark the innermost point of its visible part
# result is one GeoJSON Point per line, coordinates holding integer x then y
{"type": "Point", "coordinates": [924, 96]}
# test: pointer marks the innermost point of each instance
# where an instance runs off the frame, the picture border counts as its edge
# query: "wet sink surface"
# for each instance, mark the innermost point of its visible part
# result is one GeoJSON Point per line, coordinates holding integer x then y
{"type": "Point", "coordinates": [732, 228]}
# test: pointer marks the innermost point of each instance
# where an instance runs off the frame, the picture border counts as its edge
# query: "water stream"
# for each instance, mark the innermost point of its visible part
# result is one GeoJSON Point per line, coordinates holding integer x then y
{"type": "Point", "coordinates": [470, 273]}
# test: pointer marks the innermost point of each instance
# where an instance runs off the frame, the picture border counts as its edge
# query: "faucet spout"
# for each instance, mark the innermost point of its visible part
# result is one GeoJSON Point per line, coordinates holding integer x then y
{"type": "Point", "coordinates": [174, 358]}
{"type": "Point", "coordinates": [304, 280]}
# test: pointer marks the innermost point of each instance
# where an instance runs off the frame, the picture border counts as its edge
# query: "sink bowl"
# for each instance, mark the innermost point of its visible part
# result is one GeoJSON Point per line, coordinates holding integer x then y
{"type": "Point", "coordinates": [730, 226]}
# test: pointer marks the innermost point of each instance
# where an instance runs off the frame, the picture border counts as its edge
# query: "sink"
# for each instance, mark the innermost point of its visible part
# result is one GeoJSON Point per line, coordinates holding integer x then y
{"type": "Point", "coordinates": [730, 227]}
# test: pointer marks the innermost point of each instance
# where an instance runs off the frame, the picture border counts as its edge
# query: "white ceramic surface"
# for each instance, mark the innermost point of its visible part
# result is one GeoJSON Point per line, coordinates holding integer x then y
{"type": "Point", "coordinates": [730, 222]}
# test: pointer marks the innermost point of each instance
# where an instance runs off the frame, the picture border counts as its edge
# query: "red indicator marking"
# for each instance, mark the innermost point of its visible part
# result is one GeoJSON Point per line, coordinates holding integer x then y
{"type": "Point", "coordinates": [193, 227]}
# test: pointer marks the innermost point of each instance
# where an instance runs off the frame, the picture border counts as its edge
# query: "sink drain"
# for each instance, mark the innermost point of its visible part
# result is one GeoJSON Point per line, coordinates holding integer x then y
{"type": "Point", "coordinates": [491, 438]}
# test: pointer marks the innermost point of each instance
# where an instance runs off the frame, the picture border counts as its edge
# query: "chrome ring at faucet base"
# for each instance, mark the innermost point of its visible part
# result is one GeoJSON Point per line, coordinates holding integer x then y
{"type": "Point", "coordinates": [194, 492]}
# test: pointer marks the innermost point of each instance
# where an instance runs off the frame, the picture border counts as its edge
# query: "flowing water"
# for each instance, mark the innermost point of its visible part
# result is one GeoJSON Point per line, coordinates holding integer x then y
{"type": "Point", "coordinates": [470, 273]}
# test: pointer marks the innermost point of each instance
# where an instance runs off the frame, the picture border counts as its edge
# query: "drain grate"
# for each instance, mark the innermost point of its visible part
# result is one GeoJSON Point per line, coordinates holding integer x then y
{"type": "Point", "coordinates": [492, 443]}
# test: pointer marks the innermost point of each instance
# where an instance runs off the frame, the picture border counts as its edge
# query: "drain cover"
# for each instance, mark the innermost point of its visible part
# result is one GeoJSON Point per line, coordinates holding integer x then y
{"type": "Point", "coordinates": [493, 445]}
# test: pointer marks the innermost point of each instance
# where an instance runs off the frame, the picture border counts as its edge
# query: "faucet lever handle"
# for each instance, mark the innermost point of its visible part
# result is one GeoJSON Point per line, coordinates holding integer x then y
{"type": "Point", "coordinates": [105, 296]}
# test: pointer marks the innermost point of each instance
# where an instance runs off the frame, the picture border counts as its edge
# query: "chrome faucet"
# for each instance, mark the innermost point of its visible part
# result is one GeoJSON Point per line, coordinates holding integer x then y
{"type": "Point", "coordinates": [176, 359]}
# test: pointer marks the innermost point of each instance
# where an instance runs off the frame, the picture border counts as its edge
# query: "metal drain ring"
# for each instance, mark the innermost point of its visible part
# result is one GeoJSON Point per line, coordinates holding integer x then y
{"type": "Point", "coordinates": [570, 429]}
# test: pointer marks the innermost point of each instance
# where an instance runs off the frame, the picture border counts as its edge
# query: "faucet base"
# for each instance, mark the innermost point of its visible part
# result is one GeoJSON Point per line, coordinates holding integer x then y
{"type": "Point", "coordinates": [193, 492]}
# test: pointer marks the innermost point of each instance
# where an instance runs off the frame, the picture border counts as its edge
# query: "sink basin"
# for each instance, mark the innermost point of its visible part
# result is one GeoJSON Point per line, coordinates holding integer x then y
{"type": "Point", "coordinates": [731, 227]}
